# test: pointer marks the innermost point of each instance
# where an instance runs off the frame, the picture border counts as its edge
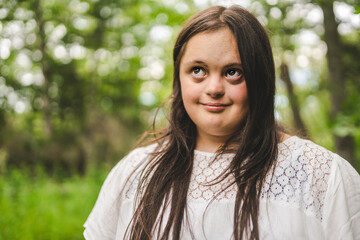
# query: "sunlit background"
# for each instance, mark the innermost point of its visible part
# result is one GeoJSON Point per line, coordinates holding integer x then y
{"type": "Point", "coordinates": [80, 81]}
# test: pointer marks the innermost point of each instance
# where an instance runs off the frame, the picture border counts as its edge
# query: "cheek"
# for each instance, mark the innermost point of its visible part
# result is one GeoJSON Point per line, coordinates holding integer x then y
{"type": "Point", "coordinates": [239, 94]}
{"type": "Point", "coordinates": [189, 92]}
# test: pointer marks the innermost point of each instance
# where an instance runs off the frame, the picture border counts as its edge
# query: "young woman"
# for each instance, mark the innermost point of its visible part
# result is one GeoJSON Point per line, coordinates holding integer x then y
{"type": "Point", "coordinates": [223, 169]}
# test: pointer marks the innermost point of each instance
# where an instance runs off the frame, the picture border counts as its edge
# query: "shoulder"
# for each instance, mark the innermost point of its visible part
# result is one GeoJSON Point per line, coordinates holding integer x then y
{"type": "Point", "coordinates": [304, 174]}
{"type": "Point", "coordinates": [316, 161]}
{"type": "Point", "coordinates": [306, 160]}
{"type": "Point", "coordinates": [133, 161]}
{"type": "Point", "coordinates": [304, 151]}
{"type": "Point", "coordinates": [103, 219]}
{"type": "Point", "coordinates": [139, 155]}
{"type": "Point", "coordinates": [119, 175]}
{"type": "Point", "coordinates": [316, 183]}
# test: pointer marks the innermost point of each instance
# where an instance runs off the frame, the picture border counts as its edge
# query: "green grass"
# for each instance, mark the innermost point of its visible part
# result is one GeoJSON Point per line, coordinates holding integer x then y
{"type": "Point", "coordinates": [44, 208]}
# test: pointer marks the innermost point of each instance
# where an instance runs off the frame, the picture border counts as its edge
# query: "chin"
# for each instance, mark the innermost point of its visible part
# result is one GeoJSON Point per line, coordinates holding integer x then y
{"type": "Point", "coordinates": [220, 132]}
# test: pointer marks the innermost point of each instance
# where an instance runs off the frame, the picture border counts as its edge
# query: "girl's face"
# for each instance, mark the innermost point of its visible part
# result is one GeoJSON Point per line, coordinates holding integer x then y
{"type": "Point", "coordinates": [213, 86]}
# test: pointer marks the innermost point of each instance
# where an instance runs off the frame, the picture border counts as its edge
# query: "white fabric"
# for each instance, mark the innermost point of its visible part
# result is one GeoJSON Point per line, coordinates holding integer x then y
{"type": "Point", "coordinates": [313, 194]}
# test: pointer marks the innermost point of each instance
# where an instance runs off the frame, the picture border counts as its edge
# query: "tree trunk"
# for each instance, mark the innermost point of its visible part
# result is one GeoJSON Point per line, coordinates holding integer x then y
{"type": "Point", "coordinates": [285, 76]}
{"type": "Point", "coordinates": [344, 146]}
{"type": "Point", "coordinates": [45, 70]}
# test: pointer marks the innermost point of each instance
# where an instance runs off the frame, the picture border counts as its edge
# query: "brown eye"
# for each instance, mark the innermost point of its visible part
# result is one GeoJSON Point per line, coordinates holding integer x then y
{"type": "Point", "coordinates": [234, 74]}
{"type": "Point", "coordinates": [198, 72]}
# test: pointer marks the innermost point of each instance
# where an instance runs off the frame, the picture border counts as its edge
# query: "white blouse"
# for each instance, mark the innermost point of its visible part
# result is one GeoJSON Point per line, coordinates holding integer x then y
{"type": "Point", "coordinates": [313, 194]}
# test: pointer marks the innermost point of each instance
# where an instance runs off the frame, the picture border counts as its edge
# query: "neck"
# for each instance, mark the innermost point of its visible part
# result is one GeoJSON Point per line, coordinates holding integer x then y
{"type": "Point", "coordinates": [209, 143]}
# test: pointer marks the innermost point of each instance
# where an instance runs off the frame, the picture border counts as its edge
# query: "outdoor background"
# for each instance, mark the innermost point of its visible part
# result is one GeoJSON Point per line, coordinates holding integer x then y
{"type": "Point", "coordinates": [80, 81]}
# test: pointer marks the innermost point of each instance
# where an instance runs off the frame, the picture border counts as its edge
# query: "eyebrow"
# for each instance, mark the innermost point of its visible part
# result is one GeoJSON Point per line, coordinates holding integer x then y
{"type": "Point", "coordinates": [234, 64]}
{"type": "Point", "coordinates": [195, 62]}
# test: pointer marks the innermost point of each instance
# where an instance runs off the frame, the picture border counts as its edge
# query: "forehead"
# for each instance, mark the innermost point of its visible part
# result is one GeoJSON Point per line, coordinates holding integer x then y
{"type": "Point", "coordinates": [218, 45]}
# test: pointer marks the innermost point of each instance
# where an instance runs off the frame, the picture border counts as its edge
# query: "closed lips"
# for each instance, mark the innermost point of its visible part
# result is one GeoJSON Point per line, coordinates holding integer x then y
{"type": "Point", "coordinates": [215, 104]}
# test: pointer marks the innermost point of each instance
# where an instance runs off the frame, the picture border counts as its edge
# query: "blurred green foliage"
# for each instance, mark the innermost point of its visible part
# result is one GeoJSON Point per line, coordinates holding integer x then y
{"type": "Point", "coordinates": [40, 208]}
{"type": "Point", "coordinates": [80, 80]}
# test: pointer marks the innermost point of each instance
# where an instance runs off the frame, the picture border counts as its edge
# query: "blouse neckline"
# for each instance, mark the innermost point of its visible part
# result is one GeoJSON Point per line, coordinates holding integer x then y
{"type": "Point", "coordinates": [280, 146]}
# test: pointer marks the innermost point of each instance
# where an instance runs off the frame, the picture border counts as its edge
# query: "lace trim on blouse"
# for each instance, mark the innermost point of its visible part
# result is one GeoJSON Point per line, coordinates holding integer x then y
{"type": "Point", "coordinates": [300, 177]}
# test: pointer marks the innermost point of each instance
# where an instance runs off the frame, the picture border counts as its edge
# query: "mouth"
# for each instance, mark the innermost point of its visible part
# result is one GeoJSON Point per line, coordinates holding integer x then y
{"type": "Point", "coordinates": [215, 107]}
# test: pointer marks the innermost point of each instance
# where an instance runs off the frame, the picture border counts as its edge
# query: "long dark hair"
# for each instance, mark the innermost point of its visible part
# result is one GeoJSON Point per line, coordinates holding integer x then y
{"type": "Point", "coordinates": [165, 182]}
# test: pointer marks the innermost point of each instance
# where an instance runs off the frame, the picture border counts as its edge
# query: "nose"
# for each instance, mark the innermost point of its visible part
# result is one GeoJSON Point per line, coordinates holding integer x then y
{"type": "Point", "coordinates": [215, 87]}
